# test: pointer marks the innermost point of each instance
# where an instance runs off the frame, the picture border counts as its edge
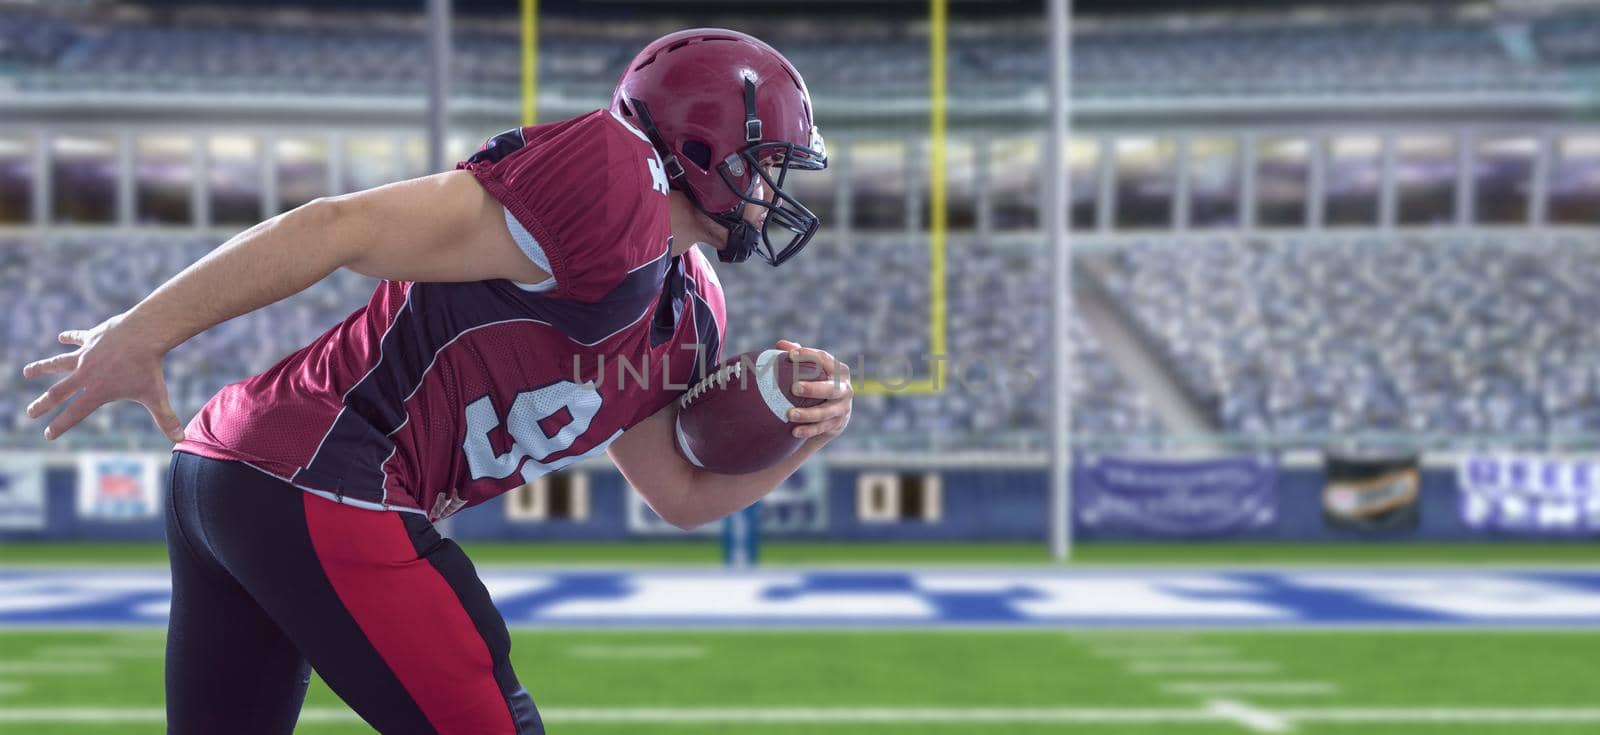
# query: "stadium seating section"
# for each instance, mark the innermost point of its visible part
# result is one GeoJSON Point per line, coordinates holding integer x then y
{"type": "Point", "coordinates": [76, 281]}
{"type": "Point", "coordinates": [1285, 336]}
{"type": "Point", "coordinates": [73, 51]}
{"type": "Point", "coordinates": [1444, 336]}
{"type": "Point", "coordinates": [1295, 335]}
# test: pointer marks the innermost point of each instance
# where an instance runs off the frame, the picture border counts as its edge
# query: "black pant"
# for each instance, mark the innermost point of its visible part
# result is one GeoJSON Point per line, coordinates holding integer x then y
{"type": "Point", "coordinates": [269, 582]}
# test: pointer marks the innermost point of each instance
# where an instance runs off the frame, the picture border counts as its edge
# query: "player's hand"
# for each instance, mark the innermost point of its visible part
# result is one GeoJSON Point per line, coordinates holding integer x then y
{"type": "Point", "coordinates": [827, 419]}
{"type": "Point", "coordinates": [109, 365]}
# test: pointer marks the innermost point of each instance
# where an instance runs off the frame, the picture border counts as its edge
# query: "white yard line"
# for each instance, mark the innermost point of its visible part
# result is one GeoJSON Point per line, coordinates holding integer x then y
{"type": "Point", "coordinates": [1226, 688]}
{"type": "Point", "coordinates": [1202, 667]}
{"type": "Point", "coordinates": [877, 714]}
{"type": "Point", "coordinates": [1147, 651]}
{"type": "Point", "coordinates": [1248, 717]}
{"type": "Point", "coordinates": [1132, 637]}
{"type": "Point", "coordinates": [1263, 718]}
{"type": "Point", "coordinates": [1443, 714]}
{"type": "Point", "coordinates": [805, 715]}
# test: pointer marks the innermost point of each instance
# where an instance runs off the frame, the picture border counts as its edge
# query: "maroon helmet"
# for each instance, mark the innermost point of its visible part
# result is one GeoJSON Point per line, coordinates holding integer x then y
{"type": "Point", "coordinates": [721, 107]}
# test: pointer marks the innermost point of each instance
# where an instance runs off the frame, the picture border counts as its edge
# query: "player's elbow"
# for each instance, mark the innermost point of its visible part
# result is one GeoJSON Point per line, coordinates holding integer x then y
{"type": "Point", "coordinates": [682, 516]}
{"type": "Point", "coordinates": [686, 525]}
{"type": "Point", "coordinates": [677, 507]}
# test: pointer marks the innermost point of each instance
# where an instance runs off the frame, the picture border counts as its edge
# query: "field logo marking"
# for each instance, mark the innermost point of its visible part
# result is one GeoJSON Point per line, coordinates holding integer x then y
{"type": "Point", "coordinates": [1202, 667]}
{"type": "Point", "coordinates": [1225, 688]}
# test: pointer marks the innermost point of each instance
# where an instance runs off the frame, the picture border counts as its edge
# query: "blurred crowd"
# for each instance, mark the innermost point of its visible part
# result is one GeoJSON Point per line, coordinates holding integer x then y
{"type": "Point", "coordinates": [1286, 336]}
{"type": "Point", "coordinates": [80, 51]}
{"type": "Point", "coordinates": [1298, 335]}
{"type": "Point", "coordinates": [866, 302]}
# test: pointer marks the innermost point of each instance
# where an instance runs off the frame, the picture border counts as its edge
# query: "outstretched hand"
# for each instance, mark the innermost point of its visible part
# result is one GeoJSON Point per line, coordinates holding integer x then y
{"type": "Point", "coordinates": [826, 419]}
{"type": "Point", "coordinates": [108, 365]}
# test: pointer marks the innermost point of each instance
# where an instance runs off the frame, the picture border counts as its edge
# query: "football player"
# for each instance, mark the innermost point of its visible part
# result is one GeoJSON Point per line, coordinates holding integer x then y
{"type": "Point", "coordinates": [302, 500]}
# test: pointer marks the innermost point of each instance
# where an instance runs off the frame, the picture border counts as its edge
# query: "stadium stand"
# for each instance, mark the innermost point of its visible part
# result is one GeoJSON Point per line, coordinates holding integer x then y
{"type": "Point", "coordinates": [1490, 342]}
{"type": "Point", "coordinates": [1290, 336]}
{"type": "Point", "coordinates": [78, 280]}
{"type": "Point", "coordinates": [1571, 37]}
{"type": "Point", "coordinates": [81, 280]}
{"type": "Point", "coordinates": [67, 50]}
{"type": "Point", "coordinates": [1306, 336]}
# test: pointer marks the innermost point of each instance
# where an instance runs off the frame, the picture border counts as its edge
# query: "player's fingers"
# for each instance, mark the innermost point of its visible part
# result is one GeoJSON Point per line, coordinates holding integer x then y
{"type": "Point", "coordinates": [160, 409]}
{"type": "Point", "coordinates": [825, 389]}
{"type": "Point", "coordinates": [821, 358]}
{"type": "Point", "coordinates": [69, 417]}
{"type": "Point", "coordinates": [819, 412]}
{"type": "Point", "coordinates": [73, 337]}
{"type": "Point", "coordinates": [788, 345]}
{"type": "Point", "coordinates": [61, 391]}
{"type": "Point", "coordinates": [831, 426]}
{"type": "Point", "coordinates": [50, 365]}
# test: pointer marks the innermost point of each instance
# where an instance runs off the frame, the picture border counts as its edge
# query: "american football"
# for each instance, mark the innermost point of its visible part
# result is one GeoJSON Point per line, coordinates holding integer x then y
{"type": "Point", "coordinates": [736, 420]}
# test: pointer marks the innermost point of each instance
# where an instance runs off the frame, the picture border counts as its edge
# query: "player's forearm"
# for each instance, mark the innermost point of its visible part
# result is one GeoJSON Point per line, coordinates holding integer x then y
{"type": "Point", "coordinates": [711, 496]}
{"type": "Point", "coordinates": [262, 265]}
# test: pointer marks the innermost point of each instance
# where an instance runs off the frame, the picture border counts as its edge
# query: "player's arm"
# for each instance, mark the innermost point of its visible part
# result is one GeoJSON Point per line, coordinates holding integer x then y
{"type": "Point", "coordinates": [444, 227]}
{"type": "Point", "coordinates": [687, 496]}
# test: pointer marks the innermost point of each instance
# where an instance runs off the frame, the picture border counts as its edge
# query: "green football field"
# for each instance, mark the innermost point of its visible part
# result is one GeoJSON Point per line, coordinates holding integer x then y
{"type": "Point", "coordinates": [1464, 683]}
{"type": "Point", "coordinates": [777, 681]}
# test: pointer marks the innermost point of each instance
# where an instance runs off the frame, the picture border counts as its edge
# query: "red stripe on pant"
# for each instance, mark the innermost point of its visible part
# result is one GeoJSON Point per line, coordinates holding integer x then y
{"type": "Point", "coordinates": [410, 615]}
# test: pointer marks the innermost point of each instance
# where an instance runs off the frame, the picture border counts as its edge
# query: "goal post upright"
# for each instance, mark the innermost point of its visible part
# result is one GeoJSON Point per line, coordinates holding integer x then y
{"type": "Point", "coordinates": [530, 62]}
{"type": "Point", "coordinates": [938, 220]}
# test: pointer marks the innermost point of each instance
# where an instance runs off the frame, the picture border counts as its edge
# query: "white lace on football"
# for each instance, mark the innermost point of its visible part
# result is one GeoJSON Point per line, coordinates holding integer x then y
{"type": "Point", "coordinates": [719, 378]}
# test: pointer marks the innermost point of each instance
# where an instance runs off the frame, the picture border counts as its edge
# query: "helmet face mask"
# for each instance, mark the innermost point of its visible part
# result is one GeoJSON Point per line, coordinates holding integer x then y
{"type": "Point", "coordinates": [795, 222]}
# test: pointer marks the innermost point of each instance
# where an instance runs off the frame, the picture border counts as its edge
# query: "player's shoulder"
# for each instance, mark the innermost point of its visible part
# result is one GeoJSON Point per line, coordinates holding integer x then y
{"type": "Point", "coordinates": [596, 146]}
{"type": "Point", "coordinates": [705, 284]}
{"type": "Point", "coordinates": [593, 138]}
{"type": "Point", "coordinates": [697, 268]}
{"type": "Point", "coordinates": [588, 193]}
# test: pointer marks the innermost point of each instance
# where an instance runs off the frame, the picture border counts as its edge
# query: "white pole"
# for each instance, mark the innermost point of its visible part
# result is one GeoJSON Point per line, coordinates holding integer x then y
{"type": "Point", "coordinates": [1057, 221]}
{"type": "Point", "coordinates": [439, 57]}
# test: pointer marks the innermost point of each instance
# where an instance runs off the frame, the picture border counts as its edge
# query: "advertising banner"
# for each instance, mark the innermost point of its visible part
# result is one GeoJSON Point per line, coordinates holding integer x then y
{"type": "Point", "coordinates": [119, 486]}
{"type": "Point", "coordinates": [1533, 494]}
{"type": "Point", "coordinates": [1371, 493]}
{"type": "Point", "coordinates": [798, 506]}
{"type": "Point", "coordinates": [21, 493]}
{"type": "Point", "coordinates": [1176, 498]}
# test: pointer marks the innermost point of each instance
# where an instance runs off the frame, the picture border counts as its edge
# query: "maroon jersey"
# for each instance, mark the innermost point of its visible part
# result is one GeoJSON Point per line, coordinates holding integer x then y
{"type": "Point", "coordinates": [438, 396]}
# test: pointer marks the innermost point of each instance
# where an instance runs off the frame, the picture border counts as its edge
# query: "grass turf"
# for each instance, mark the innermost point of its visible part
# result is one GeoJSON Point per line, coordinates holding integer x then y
{"type": "Point", "coordinates": [794, 553]}
{"type": "Point", "coordinates": [572, 670]}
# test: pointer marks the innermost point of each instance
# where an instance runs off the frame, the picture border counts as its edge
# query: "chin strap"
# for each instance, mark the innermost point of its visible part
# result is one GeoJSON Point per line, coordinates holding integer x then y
{"type": "Point", "coordinates": [742, 238]}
